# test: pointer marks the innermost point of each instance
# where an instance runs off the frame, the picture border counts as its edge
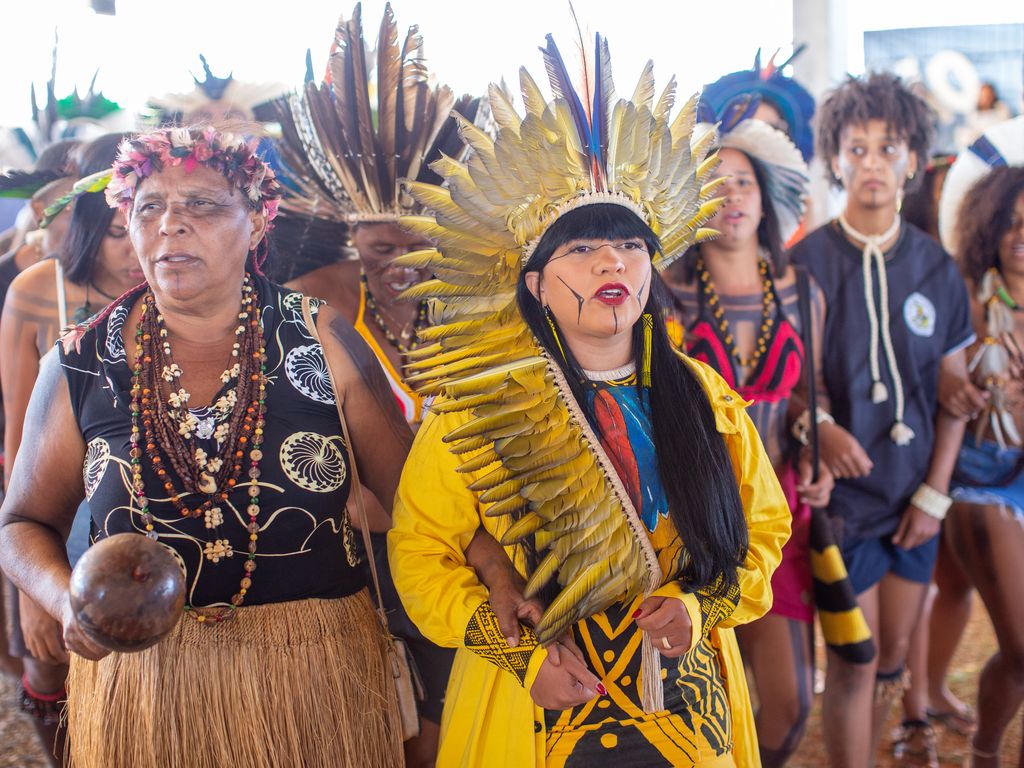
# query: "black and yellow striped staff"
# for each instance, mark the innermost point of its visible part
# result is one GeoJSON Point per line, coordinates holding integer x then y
{"type": "Point", "coordinates": [842, 622]}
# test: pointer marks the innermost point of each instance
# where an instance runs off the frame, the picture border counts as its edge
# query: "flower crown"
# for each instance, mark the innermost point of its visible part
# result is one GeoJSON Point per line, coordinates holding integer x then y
{"type": "Point", "coordinates": [232, 155]}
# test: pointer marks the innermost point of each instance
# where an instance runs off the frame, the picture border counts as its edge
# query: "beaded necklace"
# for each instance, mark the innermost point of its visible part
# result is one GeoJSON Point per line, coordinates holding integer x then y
{"type": "Point", "coordinates": [374, 310]}
{"type": "Point", "coordinates": [168, 427]}
{"type": "Point", "coordinates": [767, 321]}
{"type": "Point", "coordinates": [1001, 293]}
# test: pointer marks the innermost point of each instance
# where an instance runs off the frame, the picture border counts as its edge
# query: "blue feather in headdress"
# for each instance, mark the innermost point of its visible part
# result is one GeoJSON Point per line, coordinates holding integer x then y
{"type": "Point", "coordinates": [591, 126]}
{"type": "Point", "coordinates": [739, 109]}
{"type": "Point", "coordinates": [562, 88]}
{"type": "Point", "coordinates": [599, 112]}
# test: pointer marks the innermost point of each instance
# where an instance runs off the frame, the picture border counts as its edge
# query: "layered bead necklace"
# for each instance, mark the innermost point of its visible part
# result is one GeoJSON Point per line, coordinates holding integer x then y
{"type": "Point", "coordinates": [408, 341]}
{"type": "Point", "coordinates": [767, 321]}
{"type": "Point", "coordinates": [235, 422]}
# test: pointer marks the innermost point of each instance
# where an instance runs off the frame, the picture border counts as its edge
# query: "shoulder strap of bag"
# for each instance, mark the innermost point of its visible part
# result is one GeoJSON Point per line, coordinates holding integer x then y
{"type": "Point", "coordinates": [803, 293]}
{"type": "Point", "coordinates": [357, 488]}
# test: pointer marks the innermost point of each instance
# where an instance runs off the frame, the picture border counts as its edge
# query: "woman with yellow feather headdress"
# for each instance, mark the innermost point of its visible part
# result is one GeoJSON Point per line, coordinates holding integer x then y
{"type": "Point", "coordinates": [626, 483]}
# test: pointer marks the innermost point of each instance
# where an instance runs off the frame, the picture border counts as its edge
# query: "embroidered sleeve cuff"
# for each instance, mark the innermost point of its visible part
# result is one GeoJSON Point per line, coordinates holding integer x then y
{"type": "Point", "coordinates": [707, 607]}
{"type": "Point", "coordinates": [484, 638]}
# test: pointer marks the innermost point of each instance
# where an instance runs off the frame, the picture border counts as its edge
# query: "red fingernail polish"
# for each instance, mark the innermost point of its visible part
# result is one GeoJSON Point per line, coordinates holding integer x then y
{"type": "Point", "coordinates": [637, 612]}
{"type": "Point", "coordinates": [602, 690]}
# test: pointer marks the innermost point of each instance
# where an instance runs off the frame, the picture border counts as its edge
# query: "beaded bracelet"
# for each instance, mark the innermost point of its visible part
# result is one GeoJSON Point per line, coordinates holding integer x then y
{"type": "Point", "coordinates": [802, 425]}
{"type": "Point", "coordinates": [933, 503]}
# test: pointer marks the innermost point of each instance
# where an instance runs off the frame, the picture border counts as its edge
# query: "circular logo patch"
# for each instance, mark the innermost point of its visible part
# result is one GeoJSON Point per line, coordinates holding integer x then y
{"type": "Point", "coordinates": [919, 314]}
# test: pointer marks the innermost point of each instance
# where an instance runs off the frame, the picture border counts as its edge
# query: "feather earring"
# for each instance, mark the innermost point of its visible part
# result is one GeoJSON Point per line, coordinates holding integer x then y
{"type": "Point", "coordinates": [645, 360]}
{"type": "Point", "coordinates": [554, 331]}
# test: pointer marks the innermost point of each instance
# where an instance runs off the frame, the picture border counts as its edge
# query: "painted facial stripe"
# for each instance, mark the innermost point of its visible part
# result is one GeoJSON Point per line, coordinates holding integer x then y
{"type": "Point", "coordinates": [579, 299]}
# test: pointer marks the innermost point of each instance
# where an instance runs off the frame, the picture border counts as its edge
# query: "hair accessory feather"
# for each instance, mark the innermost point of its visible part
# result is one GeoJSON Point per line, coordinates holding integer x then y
{"type": "Point", "coordinates": [346, 153]}
{"type": "Point", "coordinates": [541, 466]}
{"type": "Point", "coordinates": [96, 182]}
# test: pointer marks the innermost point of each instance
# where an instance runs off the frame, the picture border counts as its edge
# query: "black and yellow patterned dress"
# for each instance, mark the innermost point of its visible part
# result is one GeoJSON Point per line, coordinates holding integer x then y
{"type": "Point", "coordinates": [490, 718]}
{"type": "Point", "coordinates": [696, 725]}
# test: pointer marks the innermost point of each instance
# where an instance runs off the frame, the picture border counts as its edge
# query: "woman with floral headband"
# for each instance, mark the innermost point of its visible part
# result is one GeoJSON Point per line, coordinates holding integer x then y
{"type": "Point", "coordinates": [200, 408]}
{"type": "Point", "coordinates": [96, 263]}
{"type": "Point", "coordinates": [626, 483]}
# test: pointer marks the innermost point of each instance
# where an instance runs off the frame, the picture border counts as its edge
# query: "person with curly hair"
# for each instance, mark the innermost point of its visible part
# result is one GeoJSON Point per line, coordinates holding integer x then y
{"type": "Point", "coordinates": [898, 320]}
{"type": "Point", "coordinates": [985, 529]}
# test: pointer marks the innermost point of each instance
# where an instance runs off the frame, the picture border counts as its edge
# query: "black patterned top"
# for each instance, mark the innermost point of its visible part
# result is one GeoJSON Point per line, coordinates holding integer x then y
{"type": "Point", "coordinates": [304, 481]}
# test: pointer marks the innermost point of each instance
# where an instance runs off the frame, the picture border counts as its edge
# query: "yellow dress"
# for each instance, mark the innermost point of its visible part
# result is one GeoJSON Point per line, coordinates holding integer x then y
{"type": "Point", "coordinates": [411, 403]}
{"type": "Point", "coordinates": [489, 717]}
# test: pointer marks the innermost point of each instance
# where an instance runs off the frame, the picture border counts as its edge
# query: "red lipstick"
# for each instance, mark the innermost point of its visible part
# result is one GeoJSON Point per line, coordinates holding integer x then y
{"type": "Point", "coordinates": [612, 294]}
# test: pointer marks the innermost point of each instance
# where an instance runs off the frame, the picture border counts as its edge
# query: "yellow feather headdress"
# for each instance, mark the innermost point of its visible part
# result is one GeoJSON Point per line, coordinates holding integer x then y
{"type": "Point", "coordinates": [541, 466]}
{"type": "Point", "coordinates": [350, 141]}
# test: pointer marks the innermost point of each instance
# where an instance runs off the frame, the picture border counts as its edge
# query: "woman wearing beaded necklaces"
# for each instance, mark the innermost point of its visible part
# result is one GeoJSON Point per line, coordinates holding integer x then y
{"type": "Point", "coordinates": [627, 484]}
{"type": "Point", "coordinates": [985, 527]}
{"type": "Point", "coordinates": [95, 263]}
{"type": "Point", "coordinates": [898, 321]}
{"type": "Point", "coordinates": [738, 300]}
{"type": "Point", "coordinates": [213, 430]}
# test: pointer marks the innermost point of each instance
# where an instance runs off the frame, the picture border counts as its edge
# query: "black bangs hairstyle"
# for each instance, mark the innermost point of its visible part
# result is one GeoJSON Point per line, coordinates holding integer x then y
{"type": "Point", "coordinates": [693, 462]}
{"type": "Point", "coordinates": [769, 235]}
{"type": "Point", "coordinates": [91, 217]}
{"type": "Point", "coordinates": [985, 216]}
{"type": "Point", "coordinates": [878, 96]}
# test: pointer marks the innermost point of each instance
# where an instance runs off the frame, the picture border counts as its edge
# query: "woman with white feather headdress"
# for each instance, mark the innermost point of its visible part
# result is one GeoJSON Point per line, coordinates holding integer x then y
{"type": "Point", "coordinates": [741, 309]}
{"type": "Point", "coordinates": [626, 483]}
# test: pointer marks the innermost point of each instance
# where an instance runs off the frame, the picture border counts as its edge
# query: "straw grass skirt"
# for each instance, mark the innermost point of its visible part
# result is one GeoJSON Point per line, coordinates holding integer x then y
{"type": "Point", "coordinates": [304, 684]}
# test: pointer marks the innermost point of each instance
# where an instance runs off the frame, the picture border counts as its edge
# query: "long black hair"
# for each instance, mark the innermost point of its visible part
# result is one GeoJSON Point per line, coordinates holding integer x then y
{"type": "Point", "coordinates": [91, 217]}
{"type": "Point", "coordinates": [769, 234]}
{"type": "Point", "coordinates": [693, 462]}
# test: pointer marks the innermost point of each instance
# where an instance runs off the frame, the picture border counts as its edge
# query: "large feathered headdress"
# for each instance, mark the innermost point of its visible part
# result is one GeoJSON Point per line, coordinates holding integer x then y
{"type": "Point", "coordinates": [345, 152]}
{"type": "Point", "coordinates": [213, 97]}
{"type": "Point", "coordinates": [793, 102]}
{"type": "Point", "coordinates": [542, 467]}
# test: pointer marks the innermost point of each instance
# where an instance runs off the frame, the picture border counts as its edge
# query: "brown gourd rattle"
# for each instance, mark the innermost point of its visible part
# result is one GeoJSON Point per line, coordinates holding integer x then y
{"type": "Point", "coordinates": [127, 592]}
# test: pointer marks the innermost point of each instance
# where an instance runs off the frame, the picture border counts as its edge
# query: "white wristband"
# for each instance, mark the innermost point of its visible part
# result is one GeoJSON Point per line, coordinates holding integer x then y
{"type": "Point", "coordinates": [931, 502]}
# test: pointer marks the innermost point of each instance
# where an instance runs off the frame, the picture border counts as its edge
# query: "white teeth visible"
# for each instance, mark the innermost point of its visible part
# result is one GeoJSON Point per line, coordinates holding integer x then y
{"type": "Point", "coordinates": [612, 293]}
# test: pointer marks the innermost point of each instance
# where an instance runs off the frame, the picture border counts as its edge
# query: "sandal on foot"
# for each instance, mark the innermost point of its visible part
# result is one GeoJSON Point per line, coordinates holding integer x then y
{"type": "Point", "coordinates": [962, 722]}
{"type": "Point", "coordinates": [914, 744]}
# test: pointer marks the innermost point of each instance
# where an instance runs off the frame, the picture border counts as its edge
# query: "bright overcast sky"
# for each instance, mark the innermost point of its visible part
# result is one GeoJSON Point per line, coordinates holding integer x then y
{"type": "Point", "coordinates": [151, 47]}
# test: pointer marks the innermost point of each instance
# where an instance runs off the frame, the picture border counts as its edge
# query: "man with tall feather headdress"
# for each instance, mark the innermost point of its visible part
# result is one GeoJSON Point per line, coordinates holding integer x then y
{"type": "Point", "coordinates": [348, 142]}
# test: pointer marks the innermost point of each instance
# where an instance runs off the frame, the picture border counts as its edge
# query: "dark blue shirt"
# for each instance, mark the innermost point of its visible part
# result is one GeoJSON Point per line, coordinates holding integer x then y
{"type": "Point", "coordinates": [929, 318]}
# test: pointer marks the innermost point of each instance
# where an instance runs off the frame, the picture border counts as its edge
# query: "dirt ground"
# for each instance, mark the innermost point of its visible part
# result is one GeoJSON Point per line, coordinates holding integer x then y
{"type": "Point", "coordinates": [977, 645]}
{"type": "Point", "coordinates": [18, 745]}
{"type": "Point", "coordinates": [18, 748]}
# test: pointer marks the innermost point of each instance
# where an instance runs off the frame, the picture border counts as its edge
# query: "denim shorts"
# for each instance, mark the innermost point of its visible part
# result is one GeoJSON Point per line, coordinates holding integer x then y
{"type": "Point", "coordinates": [988, 474]}
{"type": "Point", "coordinates": [868, 560]}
